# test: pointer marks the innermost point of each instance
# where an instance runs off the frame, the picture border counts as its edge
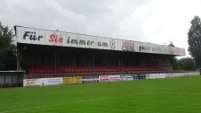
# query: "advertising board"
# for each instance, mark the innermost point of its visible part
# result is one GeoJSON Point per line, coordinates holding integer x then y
{"type": "Point", "coordinates": [77, 80]}
{"type": "Point", "coordinates": [136, 76]}
{"type": "Point", "coordinates": [67, 39]}
{"type": "Point", "coordinates": [72, 80]}
{"type": "Point", "coordinates": [169, 75]}
{"type": "Point", "coordinates": [154, 48]}
{"type": "Point", "coordinates": [114, 78]}
{"type": "Point", "coordinates": [103, 78]}
{"type": "Point", "coordinates": [157, 75]}
{"type": "Point", "coordinates": [90, 79]}
{"type": "Point", "coordinates": [67, 80]}
{"type": "Point", "coordinates": [50, 81]}
{"type": "Point", "coordinates": [126, 77]}
{"type": "Point", "coordinates": [31, 82]}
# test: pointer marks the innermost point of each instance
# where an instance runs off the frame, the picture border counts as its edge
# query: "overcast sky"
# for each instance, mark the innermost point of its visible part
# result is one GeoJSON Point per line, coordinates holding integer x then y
{"type": "Point", "coordinates": [154, 21]}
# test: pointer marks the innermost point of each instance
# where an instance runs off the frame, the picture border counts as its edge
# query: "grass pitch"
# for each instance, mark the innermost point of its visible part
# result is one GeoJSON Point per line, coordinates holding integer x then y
{"type": "Point", "coordinates": [170, 95]}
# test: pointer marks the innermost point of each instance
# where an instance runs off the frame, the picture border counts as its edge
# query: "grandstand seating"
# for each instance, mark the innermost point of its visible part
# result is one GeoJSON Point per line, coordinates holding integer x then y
{"type": "Point", "coordinates": [37, 71]}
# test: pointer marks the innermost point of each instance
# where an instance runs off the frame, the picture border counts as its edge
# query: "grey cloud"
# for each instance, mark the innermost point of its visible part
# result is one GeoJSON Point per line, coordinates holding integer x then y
{"type": "Point", "coordinates": [107, 18]}
{"type": "Point", "coordinates": [100, 17]}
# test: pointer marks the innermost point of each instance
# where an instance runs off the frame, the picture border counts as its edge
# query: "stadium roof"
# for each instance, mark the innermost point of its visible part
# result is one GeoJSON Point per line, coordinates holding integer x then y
{"type": "Point", "coordinates": [67, 39]}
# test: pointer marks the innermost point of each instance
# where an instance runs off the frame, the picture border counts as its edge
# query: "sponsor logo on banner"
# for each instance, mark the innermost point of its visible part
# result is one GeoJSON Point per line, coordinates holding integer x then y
{"type": "Point", "coordinates": [109, 78]}
{"type": "Point", "coordinates": [72, 80]}
{"type": "Point", "coordinates": [126, 77]}
{"type": "Point", "coordinates": [67, 80]}
{"type": "Point", "coordinates": [77, 80]}
{"type": "Point", "coordinates": [90, 79]}
{"type": "Point", "coordinates": [128, 46]}
{"type": "Point", "coordinates": [153, 76]}
{"type": "Point", "coordinates": [114, 78]}
{"type": "Point", "coordinates": [136, 76]}
{"type": "Point", "coordinates": [50, 81]}
{"type": "Point", "coordinates": [30, 82]}
{"type": "Point", "coordinates": [104, 78]}
{"type": "Point", "coordinates": [112, 44]}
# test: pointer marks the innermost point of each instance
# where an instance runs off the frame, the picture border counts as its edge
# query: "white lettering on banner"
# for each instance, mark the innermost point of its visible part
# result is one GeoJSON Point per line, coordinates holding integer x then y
{"type": "Point", "coordinates": [104, 78]}
{"type": "Point", "coordinates": [66, 39]}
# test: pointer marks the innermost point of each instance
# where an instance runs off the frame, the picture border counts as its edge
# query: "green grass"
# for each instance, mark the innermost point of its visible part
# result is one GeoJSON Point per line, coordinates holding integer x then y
{"type": "Point", "coordinates": [170, 95]}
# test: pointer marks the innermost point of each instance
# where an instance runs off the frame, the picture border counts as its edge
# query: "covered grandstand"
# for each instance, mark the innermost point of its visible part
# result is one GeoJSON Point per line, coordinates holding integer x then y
{"type": "Point", "coordinates": [49, 53]}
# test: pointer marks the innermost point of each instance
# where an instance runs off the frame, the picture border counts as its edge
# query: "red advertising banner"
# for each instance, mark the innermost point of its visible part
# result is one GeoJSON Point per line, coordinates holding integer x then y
{"type": "Point", "coordinates": [104, 78]}
{"type": "Point", "coordinates": [109, 78]}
